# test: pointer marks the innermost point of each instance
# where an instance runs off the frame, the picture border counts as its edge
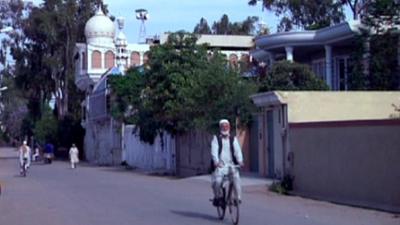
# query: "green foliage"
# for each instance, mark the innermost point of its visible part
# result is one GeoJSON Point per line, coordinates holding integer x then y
{"type": "Point", "coordinates": [286, 75]}
{"type": "Point", "coordinates": [374, 61]}
{"type": "Point", "coordinates": [126, 95]}
{"type": "Point", "coordinates": [357, 79]}
{"type": "Point", "coordinates": [282, 187]}
{"type": "Point", "coordinates": [46, 128]}
{"type": "Point", "coordinates": [396, 114]}
{"type": "Point", "coordinates": [383, 15]}
{"type": "Point", "coordinates": [70, 131]}
{"type": "Point", "coordinates": [304, 13]}
{"type": "Point", "coordinates": [225, 27]}
{"type": "Point", "coordinates": [13, 107]}
{"type": "Point", "coordinates": [202, 27]}
{"type": "Point", "coordinates": [182, 88]}
{"type": "Point", "coordinates": [383, 62]}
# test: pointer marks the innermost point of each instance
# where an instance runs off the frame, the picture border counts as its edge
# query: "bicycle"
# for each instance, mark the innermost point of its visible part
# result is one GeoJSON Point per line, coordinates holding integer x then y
{"type": "Point", "coordinates": [228, 199]}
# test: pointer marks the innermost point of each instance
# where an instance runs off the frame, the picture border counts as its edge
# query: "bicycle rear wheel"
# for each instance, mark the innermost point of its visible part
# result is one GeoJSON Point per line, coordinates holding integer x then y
{"type": "Point", "coordinates": [23, 172]}
{"type": "Point", "coordinates": [221, 208]}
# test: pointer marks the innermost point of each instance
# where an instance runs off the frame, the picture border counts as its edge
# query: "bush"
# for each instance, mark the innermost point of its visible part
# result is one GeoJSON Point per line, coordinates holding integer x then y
{"type": "Point", "coordinates": [286, 75]}
{"type": "Point", "coordinates": [284, 186]}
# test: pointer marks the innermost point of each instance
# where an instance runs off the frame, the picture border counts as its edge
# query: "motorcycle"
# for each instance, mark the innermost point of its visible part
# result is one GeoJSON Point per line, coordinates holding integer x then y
{"type": "Point", "coordinates": [48, 157]}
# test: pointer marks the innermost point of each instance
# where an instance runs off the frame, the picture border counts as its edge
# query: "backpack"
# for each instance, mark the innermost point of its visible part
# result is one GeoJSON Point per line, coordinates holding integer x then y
{"type": "Point", "coordinates": [219, 139]}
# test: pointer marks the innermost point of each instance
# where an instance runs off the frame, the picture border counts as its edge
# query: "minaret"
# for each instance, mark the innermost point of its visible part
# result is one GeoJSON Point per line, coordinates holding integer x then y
{"type": "Point", "coordinates": [121, 44]}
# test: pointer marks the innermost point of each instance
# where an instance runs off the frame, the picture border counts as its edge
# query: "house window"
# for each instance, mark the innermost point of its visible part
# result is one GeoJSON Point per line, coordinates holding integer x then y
{"type": "Point", "coordinates": [135, 59]}
{"type": "Point", "coordinates": [109, 59]}
{"type": "Point", "coordinates": [96, 60]}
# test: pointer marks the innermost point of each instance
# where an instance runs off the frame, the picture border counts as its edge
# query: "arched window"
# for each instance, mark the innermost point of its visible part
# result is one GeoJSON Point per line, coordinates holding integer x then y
{"type": "Point", "coordinates": [96, 60]}
{"type": "Point", "coordinates": [109, 59]}
{"type": "Point", "coordinates": [135, 59]}
{"type": "Point", "coordinates": [146, 58]}
{"type": "Point", "coordinates": [233, 61]}
{"type": "Point", "coordinates": [84, 61]}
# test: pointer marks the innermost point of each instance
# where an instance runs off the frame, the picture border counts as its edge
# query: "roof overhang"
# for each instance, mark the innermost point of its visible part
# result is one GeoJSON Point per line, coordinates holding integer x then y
{"type": "Point", "coordinates": [267, 99]}
{"type": "Point", "coordinates": [325, 36]}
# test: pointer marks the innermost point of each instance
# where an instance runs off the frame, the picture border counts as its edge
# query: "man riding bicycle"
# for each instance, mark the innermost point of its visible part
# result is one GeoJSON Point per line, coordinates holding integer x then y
{"type": "Point", "coordinates": [226, 153]}
{"type": "Point", "coordinates": [24, 155]}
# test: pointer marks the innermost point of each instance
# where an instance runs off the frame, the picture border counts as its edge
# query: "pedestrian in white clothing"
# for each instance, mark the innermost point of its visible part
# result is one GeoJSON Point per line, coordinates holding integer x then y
{"type": "Point", "coordinates": [73, 156]}
{"type": "Point", "coordinates": [24, 155]}
{"type": "Point", "coordinates": [225, 153]}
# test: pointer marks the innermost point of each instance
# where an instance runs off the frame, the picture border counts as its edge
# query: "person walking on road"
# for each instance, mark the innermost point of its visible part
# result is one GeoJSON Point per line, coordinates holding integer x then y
{"type": "Point", "coordinates": [74, 156]}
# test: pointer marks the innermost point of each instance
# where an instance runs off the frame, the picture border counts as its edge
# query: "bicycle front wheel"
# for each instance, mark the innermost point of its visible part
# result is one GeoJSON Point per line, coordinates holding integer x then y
{"type": "Point", "coordinates": [221, 208]}
{"type": "Point", "coordinates": [233, 206]}
{"type": "Point", "coordinates": [234, 212]}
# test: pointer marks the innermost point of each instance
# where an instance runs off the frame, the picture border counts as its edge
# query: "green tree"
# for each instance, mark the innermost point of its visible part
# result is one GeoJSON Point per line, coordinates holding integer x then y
{"type": "Point", "coordinates": [42, 47]}
{"type": "Point", "coordinates": [46, 128]}
{"type": "Point", "coordinates": [356, 6]}
{"type": "Point", "coordinates": [202, 27]}
{"type": "Point", "coordinates": [45, 62]}
{"type": "Point", "coordinates": [304, 13]}
{"type": "Point", "coordinates": [183, 88]}
{"type": "Point", "coordinates": [376, 64]}
{"type": "Point", "coordinates": [225, 27]}
{"type": "Point", "coordinates": [286, 75]}
{"type": "Point", "coordinates": [13, 108]}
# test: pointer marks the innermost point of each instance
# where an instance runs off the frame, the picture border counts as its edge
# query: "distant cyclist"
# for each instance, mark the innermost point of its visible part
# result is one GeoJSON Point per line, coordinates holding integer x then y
{"type": "Point", "coordinates": [24, 155]}
{"type": "Point", "coordinates": [225, 152]}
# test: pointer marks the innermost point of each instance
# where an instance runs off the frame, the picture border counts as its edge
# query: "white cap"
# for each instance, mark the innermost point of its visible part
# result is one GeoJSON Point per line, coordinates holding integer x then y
{"type": "Point", "coordinates": [25, 142]}
{"type": "Point", "coordinates": [223, 121]}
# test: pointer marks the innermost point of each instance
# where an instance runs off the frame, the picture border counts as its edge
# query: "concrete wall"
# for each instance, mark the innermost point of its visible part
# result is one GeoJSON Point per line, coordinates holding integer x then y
{"type": "Point", "coordinates": [353, 162]}
{"type": "Point", "coordinates": [159, 156]}
{"type": "Point", "coordinates": [193, 153]}
{"type": "Point", "coordinates": [318, 106]}
{"type": "Point", "coordinates": [103, 142]}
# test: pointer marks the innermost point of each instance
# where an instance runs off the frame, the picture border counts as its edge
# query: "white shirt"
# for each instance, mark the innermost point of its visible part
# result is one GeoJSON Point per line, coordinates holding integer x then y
{"type": "Point", "coordinates": [26, 154]}
{"type": "Point", "coordinates": [226, 156]}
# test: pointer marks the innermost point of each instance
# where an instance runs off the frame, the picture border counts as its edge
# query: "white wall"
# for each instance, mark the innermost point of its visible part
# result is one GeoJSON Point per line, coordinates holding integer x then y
{"type": "Point", "coordinates": [102, 142]}
{"type": "Point", "coordinates": [157, 157]}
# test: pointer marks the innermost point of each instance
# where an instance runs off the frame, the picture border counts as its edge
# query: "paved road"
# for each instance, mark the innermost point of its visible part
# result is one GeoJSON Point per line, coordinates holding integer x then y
{"type": "Point", "coordinates": [54, 194]}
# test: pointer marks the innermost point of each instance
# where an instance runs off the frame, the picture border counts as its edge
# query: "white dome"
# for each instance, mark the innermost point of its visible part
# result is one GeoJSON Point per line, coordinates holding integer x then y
{"type": "Point", "coordinates": [99, 29]}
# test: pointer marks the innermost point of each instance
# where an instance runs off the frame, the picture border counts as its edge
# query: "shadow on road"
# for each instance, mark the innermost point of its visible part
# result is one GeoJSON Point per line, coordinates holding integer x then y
{"type": "Point", "coordinates": [195, 215]}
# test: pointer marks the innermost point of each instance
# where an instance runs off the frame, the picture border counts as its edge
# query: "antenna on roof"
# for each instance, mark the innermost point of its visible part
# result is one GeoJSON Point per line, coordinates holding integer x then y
{"type": "Point", "coordinates": [142, 15]}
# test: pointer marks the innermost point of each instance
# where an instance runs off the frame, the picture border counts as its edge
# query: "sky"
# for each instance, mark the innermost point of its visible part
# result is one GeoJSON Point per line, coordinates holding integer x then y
{"type": "Point", "coordinates": [174, 15]}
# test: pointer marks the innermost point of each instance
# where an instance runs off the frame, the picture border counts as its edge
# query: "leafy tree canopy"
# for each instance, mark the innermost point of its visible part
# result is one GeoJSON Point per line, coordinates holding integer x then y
{"type": "Point", "coordinates": [182, 88]}
{"type": "Point", "coordinates": [304, 13]}
{"type": "Point", "coordinates": [226, 27]}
